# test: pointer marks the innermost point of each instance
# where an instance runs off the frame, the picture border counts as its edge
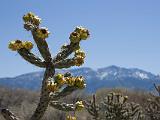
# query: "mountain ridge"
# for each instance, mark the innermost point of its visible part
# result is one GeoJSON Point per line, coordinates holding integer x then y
{"type": "Point", "coordinates": [111, 76]}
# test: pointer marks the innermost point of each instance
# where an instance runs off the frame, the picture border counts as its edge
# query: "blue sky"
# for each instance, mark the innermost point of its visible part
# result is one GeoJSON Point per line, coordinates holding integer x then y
{"type": "Point", "coordinates": [125, 33]}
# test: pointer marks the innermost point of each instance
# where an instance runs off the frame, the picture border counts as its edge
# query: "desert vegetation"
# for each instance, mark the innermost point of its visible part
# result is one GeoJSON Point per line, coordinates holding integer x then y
{"type": "Point", "coordinates": [23, 102]}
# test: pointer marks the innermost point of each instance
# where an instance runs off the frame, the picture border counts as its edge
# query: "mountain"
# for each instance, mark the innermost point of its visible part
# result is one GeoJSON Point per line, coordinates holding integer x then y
{"type": "Point", "coordinates": [112, 76]}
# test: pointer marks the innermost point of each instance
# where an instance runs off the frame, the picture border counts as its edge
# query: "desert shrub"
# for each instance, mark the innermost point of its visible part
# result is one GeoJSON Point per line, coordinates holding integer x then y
{"type": "Point", "coordinates": [152, 108]}
{"type": "Point", "coordinates": [29, 99]}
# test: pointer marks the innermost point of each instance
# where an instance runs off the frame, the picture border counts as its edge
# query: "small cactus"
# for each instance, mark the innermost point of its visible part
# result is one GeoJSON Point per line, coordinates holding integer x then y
{"type": "Point", "coordinates": [153, 106]}
{"type": "Point", "coordinates": [116, 107]}
{"type": "Point", "coordinates": [52, 83]}
{"type": "Point", "coordinates": [93, 108]}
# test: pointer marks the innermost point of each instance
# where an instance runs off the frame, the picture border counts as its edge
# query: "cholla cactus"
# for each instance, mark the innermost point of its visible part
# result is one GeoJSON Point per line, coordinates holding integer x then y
{"type": "Point", "coordinates": [93, 108]}
{"type": "Point", "coordinates": [54, 86]}
{"type": "Point", "coordinates": [153, 106]}
{"type": "Point", "coordinates": [116, 108]}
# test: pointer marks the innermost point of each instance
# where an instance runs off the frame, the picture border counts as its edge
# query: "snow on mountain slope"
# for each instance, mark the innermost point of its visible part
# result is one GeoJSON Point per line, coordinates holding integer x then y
{"type": "Point", "coordinates": [111, 76]}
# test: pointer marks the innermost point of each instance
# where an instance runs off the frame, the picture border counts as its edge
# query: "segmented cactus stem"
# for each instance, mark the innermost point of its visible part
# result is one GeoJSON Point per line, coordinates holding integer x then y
{"type": "Point", "coordinates": [51, 84]}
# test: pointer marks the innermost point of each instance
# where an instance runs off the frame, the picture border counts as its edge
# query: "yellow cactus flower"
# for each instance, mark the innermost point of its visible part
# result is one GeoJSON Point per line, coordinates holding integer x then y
{"type": "Point", "coordinates": [79, 105]}
{"type": "Point", "coordinates": [69, 117]}
{"type": "Point", "coordinates": [59, 79]}
{"type": "Point", "coordinates": [84, 33]}
{"type": "Point", "coordinates": [52, 87]}
{"type": "Point", "coordinates": [79, 53]}
{"type": "Point", "coordinates": [79, 60]}
{"type": "Point", "coordinates": [74, 37]}
{"type": "Point", "coordinates": [79, 82]}
{"type": "Point", "coordinates": [43, 33]}
{"type": "Point", "coordinates": [27, 45]}
{"type": "Point", "coordinates": [15, 45]}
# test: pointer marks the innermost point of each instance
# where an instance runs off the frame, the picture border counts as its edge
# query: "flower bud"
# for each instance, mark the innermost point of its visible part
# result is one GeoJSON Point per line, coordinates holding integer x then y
{"type": "Point", "coordinates": [28, 26]}
{"type": "Point", "coordinates": [74, 37]}
{"type": "Point", "coordinates": [43, 33]}
{"type": "Point", "coordinates": [15, 45]}
{"type": "Point", "coordinates": [12, 46]}
{"type": "Point", "coordinates": [79, 53]}
{"type": "Point", "coordinates": [79, 82]}
{"type": "Point", "coordinates": [27, 45]}
{"type": "Point", "coordinates": [70, 81]}
{"type": "Point", "coordinates": [59, 79]}
{"type": "Point", "coordinates": [32, 18]}
{"type": "Point", "coordinates": [36, 21]}
{"type": "Point", "coordinates": [79, 105]}
{"type": "Point", "coordinates": [84, 33]}
{"type": "Point", "coordinates": [52, 87]}
{"type": "Point", "coordinates": [79, 60]}
{"type": "Point", "coordinates": [28, 17]}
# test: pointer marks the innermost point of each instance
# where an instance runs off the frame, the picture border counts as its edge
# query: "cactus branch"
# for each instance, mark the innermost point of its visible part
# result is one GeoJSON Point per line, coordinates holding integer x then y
{"type": "Point", "coordinates": [42, 47]}
{"type": "Point", "coordinates": [65, 63]}
{"type": "Point", "coordinates": [66, 91]}
{"type": "Point", "coordinates": [92, 107]}
{"type": "Point", "coordinates": [62, 106]}
{"type": "Point", "coordinates": [65, 52]}
{"type": "Point", "coordinates": [31, 58]}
